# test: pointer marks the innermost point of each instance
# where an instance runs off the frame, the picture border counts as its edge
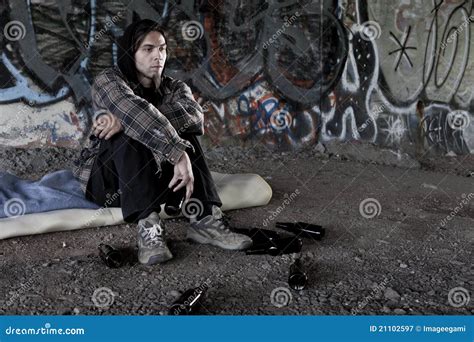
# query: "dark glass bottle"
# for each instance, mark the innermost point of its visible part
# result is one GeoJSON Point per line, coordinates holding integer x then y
{"type": "Point", "coordinates": [302, 229]}
{"type": "Point", "coordinates": [297, 278]}
{"type": "Point", "coordinates": [174, 202]}
{"type": "Point", "coordinates": [110, 256]}
{"type": "Point", "coordinates": [286, 245]}
{"type": "Point", "coordinates": [257, 235]}
{"type": "Point", "coordinates": [189, 302]}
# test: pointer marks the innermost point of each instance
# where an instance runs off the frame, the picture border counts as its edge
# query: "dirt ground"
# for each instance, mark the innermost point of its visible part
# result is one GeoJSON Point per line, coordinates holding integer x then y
{"type": "Point", "coordinates": [406, 259]}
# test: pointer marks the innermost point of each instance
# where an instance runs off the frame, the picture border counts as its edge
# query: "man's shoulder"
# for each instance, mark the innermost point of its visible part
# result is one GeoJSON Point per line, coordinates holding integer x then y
{"type": "Point", "coordinates": [108, 74]}
{"type": "Point", "coordinates": [113, 70]}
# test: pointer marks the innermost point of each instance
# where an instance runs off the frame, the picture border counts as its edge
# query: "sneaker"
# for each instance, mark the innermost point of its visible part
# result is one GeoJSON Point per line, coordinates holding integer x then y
{"type": "Point", "coordinates": [152, 248]}
{"type": "Point", "coordinates": [213, 230]}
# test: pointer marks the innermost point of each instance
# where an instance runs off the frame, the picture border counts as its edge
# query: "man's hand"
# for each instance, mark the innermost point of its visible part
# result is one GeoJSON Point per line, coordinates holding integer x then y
{"type": "Point", "coordinates": [106, 126]}
{"type": "Point", "coordinates": [183, 174]}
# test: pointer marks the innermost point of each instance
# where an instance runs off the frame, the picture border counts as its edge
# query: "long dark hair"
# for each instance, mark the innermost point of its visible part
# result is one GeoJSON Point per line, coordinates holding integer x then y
{"type": "Point", "coordinates": [130, 41]}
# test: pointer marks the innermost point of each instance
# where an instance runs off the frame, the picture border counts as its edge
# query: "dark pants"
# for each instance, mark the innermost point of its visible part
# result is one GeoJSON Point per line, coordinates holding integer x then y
{"type": "Point", "coordinates": [124, 175]}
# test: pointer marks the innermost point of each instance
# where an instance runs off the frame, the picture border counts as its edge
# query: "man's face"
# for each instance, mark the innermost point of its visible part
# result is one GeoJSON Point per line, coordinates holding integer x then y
{"type": "Point", "coordinates": [150, 58]}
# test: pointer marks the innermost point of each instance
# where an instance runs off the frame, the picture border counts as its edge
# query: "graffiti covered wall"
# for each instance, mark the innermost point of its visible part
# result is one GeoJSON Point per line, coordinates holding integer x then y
{"type": "Point", "coordinates": [408, 76]}
{"type": "Point", "coordinates": [397, 73]}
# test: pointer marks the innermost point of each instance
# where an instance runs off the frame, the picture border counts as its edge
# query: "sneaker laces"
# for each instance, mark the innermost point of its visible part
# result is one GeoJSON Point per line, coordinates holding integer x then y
{"type": "Point", "coordinates": [226, 219]}
{"type": "Point", "coordinates": [154, 234]}
{"type": "Point", "coordinates": [221, 222]}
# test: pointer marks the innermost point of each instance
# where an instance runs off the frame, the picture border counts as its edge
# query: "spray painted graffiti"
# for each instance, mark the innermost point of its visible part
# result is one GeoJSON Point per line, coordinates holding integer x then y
{"type": "Point", "coordinates": [392, 70]}
{"type": "Point", "coordinates": [402, 50]}
{"type": "Point", "coordinates": [258, 113]}
{"type": "Point", "coordinates": [285, 73]}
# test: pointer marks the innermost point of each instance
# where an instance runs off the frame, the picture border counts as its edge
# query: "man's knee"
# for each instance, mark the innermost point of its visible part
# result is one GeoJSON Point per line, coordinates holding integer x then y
{"type": "Point", "coordinates": [122, 142]}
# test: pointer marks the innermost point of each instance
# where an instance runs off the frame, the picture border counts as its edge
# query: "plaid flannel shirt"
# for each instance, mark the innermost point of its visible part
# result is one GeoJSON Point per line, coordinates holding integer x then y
{"type": "Point", "coordinates": [155, 127]}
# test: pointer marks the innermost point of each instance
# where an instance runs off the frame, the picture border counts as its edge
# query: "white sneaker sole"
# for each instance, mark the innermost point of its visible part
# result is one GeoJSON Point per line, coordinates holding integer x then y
{"type": "Point", "coordinates": [195, 237]}
{"type": "Point", "coordinates": [155, 259]}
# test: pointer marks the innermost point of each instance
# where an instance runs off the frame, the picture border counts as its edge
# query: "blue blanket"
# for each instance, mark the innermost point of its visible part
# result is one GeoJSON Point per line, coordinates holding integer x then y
{"type": "Point", "coordinates": [56, 190]}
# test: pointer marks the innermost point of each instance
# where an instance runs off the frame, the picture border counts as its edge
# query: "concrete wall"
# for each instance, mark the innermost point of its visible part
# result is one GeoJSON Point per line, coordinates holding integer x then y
{"type": "Point", "coordinates": [398, 73]}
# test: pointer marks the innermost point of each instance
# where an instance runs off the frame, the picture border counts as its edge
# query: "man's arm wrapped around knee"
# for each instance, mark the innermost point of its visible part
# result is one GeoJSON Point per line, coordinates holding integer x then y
{"type": "Point", "coordinates": [182, 110]}
{"type": "Point", "coordinates": [140, 120]}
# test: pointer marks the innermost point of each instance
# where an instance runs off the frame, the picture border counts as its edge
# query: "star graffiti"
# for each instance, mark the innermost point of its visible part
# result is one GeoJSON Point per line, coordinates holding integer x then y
{"type": "Point", "coordinates": [402, 48]}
